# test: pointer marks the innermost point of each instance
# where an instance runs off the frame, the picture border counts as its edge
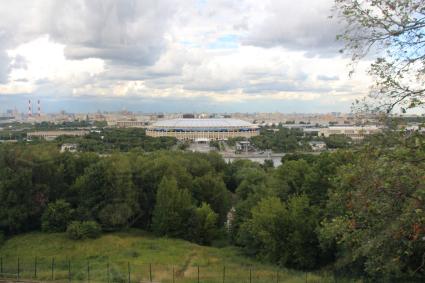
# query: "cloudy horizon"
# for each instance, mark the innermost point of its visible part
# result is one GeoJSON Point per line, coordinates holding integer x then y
{"type": "Point", "coordinates": [175, 56]}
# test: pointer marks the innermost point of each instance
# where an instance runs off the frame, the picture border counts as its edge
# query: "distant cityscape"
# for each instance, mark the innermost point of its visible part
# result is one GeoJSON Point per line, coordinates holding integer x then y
{"type": "Point", "coordinates": [124, 118]}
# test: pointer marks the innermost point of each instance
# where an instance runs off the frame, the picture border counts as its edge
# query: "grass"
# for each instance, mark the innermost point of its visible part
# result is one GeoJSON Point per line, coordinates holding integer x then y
{"type": "Point", "coordinates": [139, 252]}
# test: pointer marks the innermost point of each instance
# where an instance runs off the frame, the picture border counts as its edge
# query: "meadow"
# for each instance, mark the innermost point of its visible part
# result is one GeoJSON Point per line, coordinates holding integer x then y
{"type": "Point", "coordinates": [135, 256]}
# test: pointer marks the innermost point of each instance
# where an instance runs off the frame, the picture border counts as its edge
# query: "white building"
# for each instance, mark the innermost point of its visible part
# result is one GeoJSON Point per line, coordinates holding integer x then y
{"type": "Point", "coordinates": [353, 132]}
{"type": "Point", "coordinates": [317, 145]}
{"type": "Point", "coordinates": [208, 129]}
{"type": "Point", "coordinates": [71, 147]}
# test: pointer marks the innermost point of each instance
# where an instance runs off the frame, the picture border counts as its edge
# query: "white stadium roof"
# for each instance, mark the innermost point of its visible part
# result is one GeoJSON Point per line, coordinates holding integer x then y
{"type": "Point", "coordinates": [203, 123]}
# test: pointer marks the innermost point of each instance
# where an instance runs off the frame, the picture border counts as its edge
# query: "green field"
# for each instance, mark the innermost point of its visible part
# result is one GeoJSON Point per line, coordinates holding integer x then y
{"type": "Point", "coordinates": [112, 256]}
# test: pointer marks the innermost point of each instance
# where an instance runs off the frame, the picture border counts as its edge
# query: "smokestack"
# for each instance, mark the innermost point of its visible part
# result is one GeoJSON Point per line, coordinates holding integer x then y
{"type": "Point", "coordinates": [29, 108]}
{"type": "Point", "coordinates": [38, 108]}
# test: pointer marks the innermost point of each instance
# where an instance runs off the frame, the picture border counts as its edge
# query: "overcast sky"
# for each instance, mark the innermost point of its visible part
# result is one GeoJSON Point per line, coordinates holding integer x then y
{"type": "Point", "coordinates": [169, 55]}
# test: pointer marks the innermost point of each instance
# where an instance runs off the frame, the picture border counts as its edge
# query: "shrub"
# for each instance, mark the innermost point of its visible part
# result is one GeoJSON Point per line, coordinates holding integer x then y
{"type": "Point", "coordinates": [91, 229]}
{"type": "Point", "coordinates": [74, 230]}
{"type": "Point", "coordinates": [81, 230]}
{"type": "Point", "coordinates": [56, 216]}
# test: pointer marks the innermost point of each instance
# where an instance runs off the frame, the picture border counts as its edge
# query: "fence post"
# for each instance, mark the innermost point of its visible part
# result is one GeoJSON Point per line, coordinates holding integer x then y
{"type": "Point", "coordinates": [128, 269]}
{"type": "Point", "coordinates": [250, 276]}
{"type": "Point", "coordinates": [53, 268]}
{"type": "Point", "coordinates": [1, 266]}
{"type": "Point", "coordinates": [224, 273]}
{"type": "Point", "coordinates": [35, 267]}
{"type": "Point", "coordinates": [88, 271]}
{"type": "Point", "coordinates": [277, 276]}
{"type": "Point", "coordinates": [69, 270]}
{"type": "Point", "coordinates": [107, 271]}
{"type": "Point", "coordinates": [18, 268]}
{"type": "Point", "coordinates": [198, 273]}
{"type": "Point", "coordinates": [150, 272]}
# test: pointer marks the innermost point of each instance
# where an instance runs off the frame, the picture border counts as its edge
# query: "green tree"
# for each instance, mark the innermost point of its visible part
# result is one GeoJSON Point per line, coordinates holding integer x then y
{"type": "Point", "coordinates": [283, 233]}
{"type": "Point", "coordinates": [212, 190]}
{"type": "Point", "coordinates": [173, 209]}
{"type": "Point", "coordinates": [106, 193]}
{"type": "Point", "coordinates": [337, 141]}
{"type": "Point", "coordinates": [376, 212]}
{"type": "Point", "coordinates": [205, 224]}
{"type": "Point", "coordinates": [56, 216]}
{"type": "Point", "coordinates": [392, 31]}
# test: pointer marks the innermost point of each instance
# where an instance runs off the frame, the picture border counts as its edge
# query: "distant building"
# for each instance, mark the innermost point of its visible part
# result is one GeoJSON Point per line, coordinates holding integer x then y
{"type": "Point", "coordinates": [244, 146]}
{"type": "Point", "coordinates": [188, 116]}
{"type": "Point", "coordinates": [355, 133]}
{"type": "Point", "coordinates": [317, 145]}
{"type": "Point", "coordinates": [210, 129]}
{"type": "Point", "coordinates": [131, 124]}
{"type": "Point", "coordinates": [70, 147]}
{"type": "Point", "coordinates": [51, 135]}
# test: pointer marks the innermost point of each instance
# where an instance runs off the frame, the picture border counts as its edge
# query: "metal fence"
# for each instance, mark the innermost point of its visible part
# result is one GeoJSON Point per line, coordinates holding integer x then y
{"type": "Point", "coordinates": [102, 270]}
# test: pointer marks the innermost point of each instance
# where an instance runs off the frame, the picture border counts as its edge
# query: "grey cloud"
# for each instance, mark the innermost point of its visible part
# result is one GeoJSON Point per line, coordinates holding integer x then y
{"type": "Point", "coordinates": [4, 67]}
{"type": "Point", "coordinates": [127, 31]}
{"type": "Point", "coordinates": [19, 62]}
{"type": "Point", "coordinates": [302, 25]}
{"type": "Point", "coordinates": [284, 86]}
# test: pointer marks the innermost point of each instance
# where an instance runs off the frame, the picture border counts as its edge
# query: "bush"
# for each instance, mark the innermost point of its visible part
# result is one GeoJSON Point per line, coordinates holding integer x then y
{"type": "Point", "coordinates": [81, 230]}
{"type": "Point", "coordinates": [91, 229]}
{"type": "Point", "coordinates": [56, 216]}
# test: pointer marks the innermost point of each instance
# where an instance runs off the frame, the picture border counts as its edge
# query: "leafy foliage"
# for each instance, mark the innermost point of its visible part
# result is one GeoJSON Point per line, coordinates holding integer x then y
{"type": "Point", "coordinates": [392, 31]}
{"type": "Point", "coordinates": [56, 216]}
{"type": "Point", "coordinates": [376, 213]}
{"type": "Point", "coordinates": [172, 210]}
{"type": "Point", "coordinates": [77, 230]}
{"type": "Point", "coordinates": [205, 224]}
{"type": "Point", "coordinates": [280, 139]}
{"type": "Point", "coordinates": [357, 209]}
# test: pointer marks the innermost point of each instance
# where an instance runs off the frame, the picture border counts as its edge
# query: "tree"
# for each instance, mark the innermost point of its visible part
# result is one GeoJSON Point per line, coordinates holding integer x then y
{"type": "Point", "coordinates": [106, 193]}
{"type": "Point", "coordinates": [212, 190]}
{"type": "Point", "coordinates": [393, 31]}
{"type": "Point", "coordinates": [337, 141]}
{"type": "Point", "coordinates": [283, 233]}
{"type": "Point", "coordinates": [56, 216]}
{"type": "Point", "coordinates": [205, 224]}
{"type": "Point", "coordinates": [294, 177]}
{"type": "Point", "coordinates": [376, 215]}
{"type": "Point", "coordinates": [173, 209]}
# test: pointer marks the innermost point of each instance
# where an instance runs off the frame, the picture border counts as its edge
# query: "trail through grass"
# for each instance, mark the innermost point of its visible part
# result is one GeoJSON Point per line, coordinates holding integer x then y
{"type": "Point", "coordinates": [136, 256]}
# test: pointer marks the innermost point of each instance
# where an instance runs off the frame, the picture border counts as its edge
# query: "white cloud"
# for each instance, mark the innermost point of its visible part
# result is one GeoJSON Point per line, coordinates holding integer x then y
{"type": "Point", "coordinates": [216, 50]}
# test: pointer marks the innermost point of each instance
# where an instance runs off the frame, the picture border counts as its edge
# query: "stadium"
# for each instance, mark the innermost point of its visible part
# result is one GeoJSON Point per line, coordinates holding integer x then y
{"type": "Point", "coordinates": [203, 129]}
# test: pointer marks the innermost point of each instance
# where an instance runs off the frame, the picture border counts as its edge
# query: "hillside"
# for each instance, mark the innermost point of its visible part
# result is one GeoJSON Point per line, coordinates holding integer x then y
{"type": "Point", "coordinates": [147, 256]}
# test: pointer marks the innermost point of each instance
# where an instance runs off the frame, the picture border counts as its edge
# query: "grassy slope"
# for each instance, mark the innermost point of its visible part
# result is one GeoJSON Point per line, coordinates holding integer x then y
{"type": "Point", "coordinates": [139, 249]}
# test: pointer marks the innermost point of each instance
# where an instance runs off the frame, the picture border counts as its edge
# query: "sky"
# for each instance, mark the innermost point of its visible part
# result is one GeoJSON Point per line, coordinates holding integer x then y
{"type": "Point", "coordinates": [175, 56]}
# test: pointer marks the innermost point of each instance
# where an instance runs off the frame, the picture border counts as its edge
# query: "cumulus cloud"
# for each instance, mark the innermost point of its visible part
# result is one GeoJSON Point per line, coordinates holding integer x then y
{"type": "Point", "coordinates": [302, 25]}
{"type": "Point", "coordinates": [210, 51]}
{"type": "Point", "coordinates": [127, 31]}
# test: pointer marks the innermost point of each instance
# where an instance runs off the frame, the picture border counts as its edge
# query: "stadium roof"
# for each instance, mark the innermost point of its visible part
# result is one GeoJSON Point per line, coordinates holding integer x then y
{"type": "Point", "coordinates": [203, 123]}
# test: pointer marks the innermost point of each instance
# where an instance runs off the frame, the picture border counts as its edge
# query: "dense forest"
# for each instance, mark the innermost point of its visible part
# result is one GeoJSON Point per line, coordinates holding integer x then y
{"type": "Point", "coordinates": [357, 211]}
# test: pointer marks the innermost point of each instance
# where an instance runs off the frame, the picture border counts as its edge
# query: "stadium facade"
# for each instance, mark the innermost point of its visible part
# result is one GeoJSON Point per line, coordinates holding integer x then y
{"type": "Point", "coordinates": [203, 129]}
